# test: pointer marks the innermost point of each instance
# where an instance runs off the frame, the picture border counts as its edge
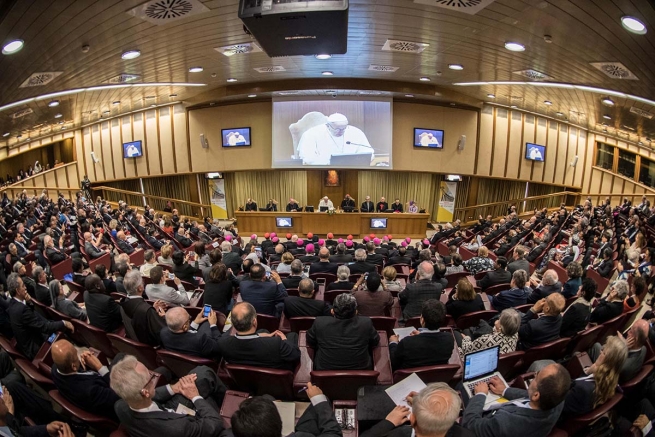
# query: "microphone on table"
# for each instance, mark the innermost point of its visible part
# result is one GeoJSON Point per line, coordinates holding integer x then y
{"type": "Point", "coordinates": [357, 144]}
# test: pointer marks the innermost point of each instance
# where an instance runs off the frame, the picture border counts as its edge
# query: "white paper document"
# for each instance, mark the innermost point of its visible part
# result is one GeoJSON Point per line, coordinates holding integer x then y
{"type": "Point", "coordinates": [399, 392]}
{"type": "Point", "coordinates": [403, 332]}
{"type": "Point", "coordinates": [287, 412]}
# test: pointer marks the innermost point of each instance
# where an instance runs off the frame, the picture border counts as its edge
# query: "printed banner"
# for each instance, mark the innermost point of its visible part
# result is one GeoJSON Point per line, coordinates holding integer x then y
{"type": "Point", "coordinates": [219, 204]}
{"type": "Point", "coordinates": [446, 201]}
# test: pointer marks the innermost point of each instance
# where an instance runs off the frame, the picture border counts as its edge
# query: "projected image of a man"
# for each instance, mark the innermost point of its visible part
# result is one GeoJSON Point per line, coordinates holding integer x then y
{"type": "Point", "coordinates": [336, 137]}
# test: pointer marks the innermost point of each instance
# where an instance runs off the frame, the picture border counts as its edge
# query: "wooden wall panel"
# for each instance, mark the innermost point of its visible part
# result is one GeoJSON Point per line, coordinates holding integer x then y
{"type": "Point", "coordinates": [561, 161]}
{"type": "Point", "coordinates": [48, 180]}
{"type": "Point", "coordinates": [569, 178]}
{"type": "Point", "coordinates": [499, 155]}
{"type": "Point", "coordinates": [107, 155]}
{"type": "Point", "coordinates": [86, 154]}
{"type": "Point", "coordinates": [127, 136]}
{"type": "Point", "coordinates": [138, 132]}
{"type": "Point", "coordinates": [541, 136]}
{"type": "Point", "coordinates": [117, 149]}
{"type": "Point", "coordinates": [486, 138]}
{"type": "Point", "coordinates": [529, 132]}
{"type": "Point", "coordinates": [551, 153]}
{"type": "Point", "coordinates": [97, 149]}
{"type": "Point", "coordinates": [166, 140]}
{"type": "Point", "coordinates": [181, 141]}
{"type": "Point", "coordinates": [514, 147]}
{"type": "Point", "coordinates": [151, 143]}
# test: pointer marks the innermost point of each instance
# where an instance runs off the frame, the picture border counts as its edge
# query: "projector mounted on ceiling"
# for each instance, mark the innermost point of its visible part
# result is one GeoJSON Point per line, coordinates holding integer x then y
{"type": "Point", "coordinates": [297, 27]}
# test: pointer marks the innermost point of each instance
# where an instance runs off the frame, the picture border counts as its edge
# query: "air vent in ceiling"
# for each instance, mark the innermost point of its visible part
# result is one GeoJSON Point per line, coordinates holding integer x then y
{"type": "Point", "coordinates": [124, 78]}
{"type": "Point", "coordinates": [272, 69]}
{"type": "Point", "coordinates": [22, 113]}
{"type": "Point", "coordinates": [288, 93]}
{"type": "Point", "coordinates": [515, 99]}
{"type": "Point", "coordinates": [394, 45]}
{"type": "Point", "coordinates": [641, 113]}
{"type": "Point", "coordinates": [239, 49]}
{"type": "Point", "coordinates": [533, 74]}
{"type": "Point", "coordinates": [385, 68]}
{"type": "Point", "coordinates": [372, 93]}
{"type": "Point", "coordinates": [467, 6]}
{"type": "Point", "coordinates": [40, 79]}
{"type": "Point", "coordinates": [162, 12]}
{"type": "Point", "coordinates": [615, 70]}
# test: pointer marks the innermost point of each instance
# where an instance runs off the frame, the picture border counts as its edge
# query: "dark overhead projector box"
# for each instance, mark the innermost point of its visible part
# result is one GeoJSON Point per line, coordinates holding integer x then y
{"type": "Point", "coordinates": [295, 27]}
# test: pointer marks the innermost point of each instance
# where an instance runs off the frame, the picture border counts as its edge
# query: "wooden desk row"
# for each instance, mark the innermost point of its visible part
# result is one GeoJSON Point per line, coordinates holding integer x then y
{"type": "Point", "coordinates": [341, 224]}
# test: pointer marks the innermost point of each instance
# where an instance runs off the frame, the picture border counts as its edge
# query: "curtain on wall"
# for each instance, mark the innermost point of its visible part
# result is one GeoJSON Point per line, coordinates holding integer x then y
{"type": "Point", "coordinates": [127, 185]}
{"type": "Point", "coordinates": [420, 187]}
{"type": "Point", "coordinates": [264, 185]}
{"type": "Point", "coordinates": [170, 187]}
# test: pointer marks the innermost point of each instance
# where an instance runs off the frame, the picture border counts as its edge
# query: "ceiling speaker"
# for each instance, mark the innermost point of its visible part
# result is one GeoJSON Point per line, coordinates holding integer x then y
{"type": "Point", "coordinates": [461, 143]}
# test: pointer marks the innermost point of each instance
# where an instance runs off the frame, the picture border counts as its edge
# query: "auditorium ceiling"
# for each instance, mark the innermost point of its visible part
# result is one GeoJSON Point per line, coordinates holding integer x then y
{"type": "Point", "coordinates": [574, 50]}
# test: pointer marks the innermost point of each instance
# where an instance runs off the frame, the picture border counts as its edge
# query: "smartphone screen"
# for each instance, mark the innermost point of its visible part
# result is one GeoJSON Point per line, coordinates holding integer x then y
{"type": "Point", "coordinates": [171, 276]}
{"type": "Point", "coordinates": [268, 274]}
{"type": "Point", "coordinates": [206, 310]}
{"type": "Point", "coordinates": [52, 337]}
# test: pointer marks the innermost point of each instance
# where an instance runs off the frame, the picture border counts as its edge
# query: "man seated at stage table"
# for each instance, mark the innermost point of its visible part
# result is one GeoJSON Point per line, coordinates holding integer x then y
{"type": "Point", "coordinates": [250, 205]}
{"type": "Point", "coordinates": [413, 207]}
{"type": "Point", "coordinates": [397, 206]}
{"type": "Point", "coordinates": [325, 203]}
{"type": "Point", "coordinates": [367, 205]}
{"type": "Point", "coordinates": [348, 203]}
{"type": "Point", "coordinates": [382, 205]}
{"type": "Point", "coordinates": [292, 206]}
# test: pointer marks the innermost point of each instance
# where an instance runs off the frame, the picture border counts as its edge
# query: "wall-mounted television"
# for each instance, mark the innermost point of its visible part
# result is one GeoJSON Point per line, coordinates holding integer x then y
{"type": "Point", "coordinates": [236, 137]}
{"type": "Point", "coordinates": [133, 149]}
{"type": "Point", "coordinates": [379, 223]}
{"type": "Point", "coordinates": [535, 152]}
{"type": "Point", "coordinates": [283, 222]}
{"type": "Point", "coordinates": [428, 138]}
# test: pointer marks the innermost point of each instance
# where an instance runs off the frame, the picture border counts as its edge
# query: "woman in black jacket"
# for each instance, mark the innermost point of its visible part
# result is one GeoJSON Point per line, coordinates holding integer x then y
{"type": "Point", "coordinates": [576, 316]}
{"type": "Point", "coordinates": [220, 288]}
{"type": "Point", "coordinates": [464, 300]}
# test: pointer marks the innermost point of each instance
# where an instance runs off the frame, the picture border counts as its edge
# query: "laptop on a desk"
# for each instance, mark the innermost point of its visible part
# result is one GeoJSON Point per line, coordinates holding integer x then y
{"type": "Point", "coordinates": [350, 160]}
{"type": "Point", "coordinates": [481, 366]}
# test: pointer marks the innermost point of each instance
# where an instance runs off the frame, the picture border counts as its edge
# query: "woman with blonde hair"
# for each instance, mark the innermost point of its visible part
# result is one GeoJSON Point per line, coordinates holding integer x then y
{"type": "Point", "coordinates": [285, 263]}
{"type": "Point", "coordinates": [389, 279]}
{"type": "Point", "coordinates": [165, 257]}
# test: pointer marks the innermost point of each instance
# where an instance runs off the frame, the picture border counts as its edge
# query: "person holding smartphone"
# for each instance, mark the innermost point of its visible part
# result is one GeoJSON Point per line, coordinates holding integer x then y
{"type": "Point", "coordinates": [159, 290]}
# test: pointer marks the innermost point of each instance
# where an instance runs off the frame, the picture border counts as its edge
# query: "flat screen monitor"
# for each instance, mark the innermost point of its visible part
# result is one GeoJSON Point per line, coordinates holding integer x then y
{"type": "Point", "coordinates": [428, 138]}
{"type": "Point", "coordinates": [236, 137]}
{"type": "Point", "coordinates": [309, 208]}
{"type": "Point", "coordinates": [133, 149]}
{"type": "Point", "coordinates": [323, 208]}
{"type": "Point", "coordinates": [283, 222]}
{"type": "Point", "coordinates": [535, 152]}
{"type": "Point", "coordinates": [379, 223]}
{"type": "Point", "coordinates": [332, 133]}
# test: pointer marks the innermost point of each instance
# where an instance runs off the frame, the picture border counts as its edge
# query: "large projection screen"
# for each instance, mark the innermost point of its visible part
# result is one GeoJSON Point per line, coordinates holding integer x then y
{"type": "Point", "coordinates": [332, 133]}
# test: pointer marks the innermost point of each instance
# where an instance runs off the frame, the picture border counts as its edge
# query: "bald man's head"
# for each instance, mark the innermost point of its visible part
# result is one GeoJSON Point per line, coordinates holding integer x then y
{"type": "Point", "coordinates": [177, 319]}
{"type": "Point", "coordinates": [324, 253]}
{"type": "Point", "coordinates": [555, 303]}
{"type": "Point", "coordinates": [639, 331]}
{"type": "Point", "coordinates": [87, 236]}
{"type": "Point", "coordinates": [65, 356]}
{"type": "Point", "coordinates": [120, 235]}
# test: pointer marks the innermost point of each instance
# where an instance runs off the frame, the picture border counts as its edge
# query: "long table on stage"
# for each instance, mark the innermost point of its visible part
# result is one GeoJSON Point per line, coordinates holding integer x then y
{"type": "Point", "coordinates": [355, 223]}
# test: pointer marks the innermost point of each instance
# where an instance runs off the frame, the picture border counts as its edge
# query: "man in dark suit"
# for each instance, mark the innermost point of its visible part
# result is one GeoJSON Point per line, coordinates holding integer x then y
{"type": "Point", "coordinates": [251, 205]}
{"type": "Point", "coordinates": [519, 263]}
{"type": "Point", "coordinates": [534, 332]}
{"type": "Point", "coordinates": [264, 294]}
{"type": "Point", "coordinates": [382, 205]}
{"type": "Point", "coordinates": [123, 245]}
{"type": "Point", "coordinates": [251, 347]}
{"type": "Point", "coordinates": [232, 260]}
{"type": "Point", "coordinates": [304, 305]}
{"type": "Point", "coordinates": [102, 309]}
{"type": "Point", "coordinates": [153, 241]}
{"type": "Point", "coordinates": [612, 305]}
{"type": "Point", "coordinates": [54, 254]}
{"type": "Point", "coordinates": [90, 248]}
{"type": "Point", "coordinates": [348, 203]}
{"type": "Point", "coordinates": [605, 266]}
{"type": "Point", "coordinates": [258, 416]}
{"type": "Point", "coordinates": [361, 265]}
{"type": "Point", "coordinates": [192, 338]}
{"type": "Point", "coordinates": [401, 258]}
{"type": "Point", "coordinates": [427, 346]}
{"type": "Point", "coordinates": [295, 276]}
{"type": "Point", "coordinates": [30, 328]}
{"type": "Point", "coordinates": [292, 206]}
{"type": "Point", "coordinates": [549, 285]}
{"type": "Point", "coordinates": [343, 342]}
{"type": "Point", "coordinates": [371, 256]}
{"type": "Point", "coordinates": [341, 256]}
{"type": "Point", "coordinates": [41, 290]}
{"type": "Point", "coordinates": [147, 320]}
{"type": "Point", "coordinates": [412, 297]}
{"type": "Point", "coordinates": [499, 275]}
{"type": "Point", "coordinates": [537, 249]}
{"type": "Point", "coordinates": [536, 415]}
{"type": "Point", "coordinates": [309, 256]}
{"type": "Point", "coordinates": [323, 265]}
{"type": "Point", "coordinates": [145, 411]}
{"type": "Point", "coordinates": [83, 380]}
{"type": "Point", "coordinates": [367, 205]}
{"type": "Point", "coordinates": [182, 237]}
{"type": "Point", "coordinates": [437, 396]}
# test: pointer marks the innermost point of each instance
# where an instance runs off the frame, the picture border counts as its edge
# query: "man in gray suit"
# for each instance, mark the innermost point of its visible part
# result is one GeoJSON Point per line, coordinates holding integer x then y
{"type": "Point", "coordinates": [90, 248]}
{"type": "Point", "coordinates": [519, 263]}
{"type": "Point", "coordinates": [146, 411]}
{"type": "Point", "coordinates": [636, 339]}
{"type": "Point", "coordinates": [158, 290]}
{"type": "Point", "coordinates": [534, 412]}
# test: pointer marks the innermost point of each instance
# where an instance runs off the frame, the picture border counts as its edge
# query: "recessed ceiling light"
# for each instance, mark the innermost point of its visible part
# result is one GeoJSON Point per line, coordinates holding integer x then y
{"type": "Point", "coordinates": [6, 134]}
{"type": "Point", "coordinates": [323, 56]}
{"type": "Point", "coordinates": [117, 102]}
{"type": "Point", "coordinates": [640, 143]}
{"type": "Point", "coordinates": [633, 25]}
{"type": "Point", "coordinates": [452, 103]}
{"type": "Point", "coordinates": [150, 97]}
{"type": "Point", "coordinates": [131, 54]}
{"type": "Point", "coordinates": [60, 122]}
{"type": "Point", "coordinates": [409, 95]}
{"type": "Point", "coordinates": [53, 103]}
{"type": "Point", "coordinates": [153, 105]}
{"type": "Point", "coordinates": [195, 69]}
{"type": "Point", "coordinates": [106, 112]}
{"type": "Point", "coordinates": [559, 114]}
{"type": "Point", "coordinates": [513, 106]}
{"type": "Point", "coordinates": [514, 46]}
{"type": "Point", "coordinates": [604, 130]}
{"type": "Point", "coordinates": [491, 96]}
{"type": "Point", "coordinates": [607, 117]}
{"type": "Point", "coordinates": [547, 102]}
{"type": "Point", "coordinates": [425, 79]}
{"type": "Point", "coordinates": [19, 136]}
{"type": "Point", "coordinates": [231, 79]}
{"type": "Point", "coordinates": [57, 115]}
{"type": "Point", "coordinates": [172, 95]}
{"type": "Point", "coordinates": [455, 67]}
{"type": "Point", "coordinates": [607, 101]}
{"type": "Point", "coordinates": [252, 95]}
{"type": "Point", "coordinates": [327, 73]}
{"type": "Point", "coordinates": [12, 47]}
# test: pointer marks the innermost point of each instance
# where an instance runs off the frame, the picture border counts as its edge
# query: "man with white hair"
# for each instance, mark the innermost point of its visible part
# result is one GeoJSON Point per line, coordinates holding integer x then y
{"type": "Point", "coordinates": [412, 297]}
{"type": "Point", "coordinates": [612, 305]}
{"type": "Point", "coordinates": [325, 202]}
{"type": "Point", "coordinates": [549, 285]}
{"type": "Point", "coordinates": [434, 412]}
{"type": "Point", "coordinates": [188, 337]}
{"type": "Point", "coordinates": [55, 254]}
{"type": "Point", "coordinates": [336, 137]}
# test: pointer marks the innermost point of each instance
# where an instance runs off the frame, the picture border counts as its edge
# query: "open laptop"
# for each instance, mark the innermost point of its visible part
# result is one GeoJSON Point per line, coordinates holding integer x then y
{"type": "Point", "coordinates": [351, 160]}
{"type": "Point", "coordinates": [481, 366]}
